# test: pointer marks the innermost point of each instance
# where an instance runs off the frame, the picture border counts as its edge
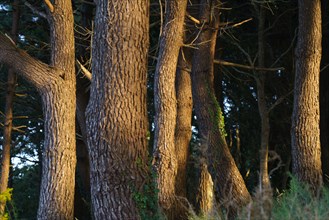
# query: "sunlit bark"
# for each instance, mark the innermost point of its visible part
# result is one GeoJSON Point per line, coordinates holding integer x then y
{"type": "Point", "coordinates": [306, 152]}
{"type": "Point", "coordinates": [166, 104]}
{"type": "Point", "coordinates": [116, 113]}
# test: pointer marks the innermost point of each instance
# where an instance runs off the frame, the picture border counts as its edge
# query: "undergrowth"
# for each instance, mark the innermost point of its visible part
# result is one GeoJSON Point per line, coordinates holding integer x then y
{"type": "Point", "coordinates": [296, 203]}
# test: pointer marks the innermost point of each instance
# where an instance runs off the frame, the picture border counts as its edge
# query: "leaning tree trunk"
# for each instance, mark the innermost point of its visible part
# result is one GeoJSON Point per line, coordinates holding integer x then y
{"type": "Point", "coordinates": [165, 160]}
{"type": "Point", "coordinates": [306, 152]}
{"type": "Point", "coordinates": [227, 178]}
{"type": "Point", "coordinates": [11, 85]}
{"type": "Point", "coordinates": [56, 85]}
{"type": "Point", "coordinates": [116, 113]}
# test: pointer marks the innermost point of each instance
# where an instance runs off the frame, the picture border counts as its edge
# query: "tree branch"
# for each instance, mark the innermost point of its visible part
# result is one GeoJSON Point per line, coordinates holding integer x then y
{"type": "Point", "coordinates": [83, 69]}
{"type": "Point", "coordinates": [35, 71]}
{"type": "Point", "coordinates": [279, 101]}
{"type": "Point", "coordinates": [50, 6]}
{"type": "Point", "coordinates": [35, 11]}
{"type": "Point", "coordinates": [226, 63]}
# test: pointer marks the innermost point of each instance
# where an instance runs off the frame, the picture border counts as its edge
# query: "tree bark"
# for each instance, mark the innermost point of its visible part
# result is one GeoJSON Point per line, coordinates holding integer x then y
{"type": "Point", "coordinates": [56, 85]}
{"type": "Point", "coordinates": [324, 95]}
{"type": "Point", "coordinates": [227, 178]}
{"type": "Point", "coordinates": [11, 85]}
{"type": "Point", "coordinates": [116, 114]}
{"type": "Point", "coordinates": [262, 105]}
{"type": "Point", "coordinates": [306, 152]}
{"type": "Point", "coordinates": [165, 160]}
{"type": "Point", "coordinates": [183, 130]}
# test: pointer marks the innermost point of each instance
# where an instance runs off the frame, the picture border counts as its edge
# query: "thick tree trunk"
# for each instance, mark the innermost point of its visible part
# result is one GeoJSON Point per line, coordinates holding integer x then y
{"type": "Point", "coordinates": [11, 85]}
{"type": "Point", "coordinates": [116, 113]}
{"type": "Point", "coordinates": [59, 106]}
{"type": "Point", "coordinates": [165, 160]}
{"type": "Point", "coordinates": [306, 152]}
{"type": "Point", "coordinates": [324, 95]}
{"type": "Point", "coordinates": [56, 85]}
{"type": "Point", "coordinates": [227, 178]}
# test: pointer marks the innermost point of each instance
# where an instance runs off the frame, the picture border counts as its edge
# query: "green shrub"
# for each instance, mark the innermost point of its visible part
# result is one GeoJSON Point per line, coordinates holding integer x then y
{"type": "Point", "coordinates": [299, 203]}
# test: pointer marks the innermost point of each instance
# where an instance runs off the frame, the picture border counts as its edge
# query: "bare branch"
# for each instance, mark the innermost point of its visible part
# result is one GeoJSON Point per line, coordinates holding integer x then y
{"type": "Point", "coordinates": [287, 51]}
{"type": "Point", "coordinates": [278, 101]}
{"type": "Point", "coordinates": [323, 68]}
{"type": "Point", "coordinates": [50, 6]}
{"type": "Point", "coordinates": [237, 24]}
{"type": "Point", "coordinates": [24, 159]}
{"type": "Point", "coordinates": [84, 70]}
{"type": "Point", "coordinates": [35, 11]}
{"type": "Point", "coordinates": [196, 21]}
{"type": "Point", "coordinates": [226, 63]}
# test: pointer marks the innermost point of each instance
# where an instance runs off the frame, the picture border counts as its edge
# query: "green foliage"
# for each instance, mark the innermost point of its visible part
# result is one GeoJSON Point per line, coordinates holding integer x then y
{"type": "Point", "coordinates": [5, 197]}
{"type": "Point", "coordinates": [217, 116]}
{"type": "Point", "coordinates": [220, 120]}
{"type": "Point", "coordinates": [299, 203]}
{"type": "Point", "coordinates": [147, 200]}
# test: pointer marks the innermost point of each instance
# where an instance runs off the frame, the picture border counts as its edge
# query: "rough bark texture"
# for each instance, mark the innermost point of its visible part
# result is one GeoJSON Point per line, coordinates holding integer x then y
{"type": "Point", "coordinates": [116, 113]}
{"type": "Point", "coordinates": [165, 160]}
{"type": "Point", "coordinates": [306, 153]}
{"type": "Point", "coordinates": [205, 196]}
{"type": "Point", "coordinates": [227, 178]}
{"type": "Point", "coordinates": [56, 85]}
{"type": "Point", "coordinates": [324, 95]}
{"type": "Point", "coordinates": [59, 104]}
{"type": "Point", "coordinates": [183, 131]}
{"type": "Point", "coordinates": [8, 123]}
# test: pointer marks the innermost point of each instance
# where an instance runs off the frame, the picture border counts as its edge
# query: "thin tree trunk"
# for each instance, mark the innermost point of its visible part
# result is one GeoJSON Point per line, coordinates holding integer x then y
{"type": "Point", "coordinates": [82, 201]}
{"type": "Point", "coordinates": [11, 85]}
{"type": "Point", "coordinates": [262, 105]}
{"type": "Point", "coordinates": [183, 130]}
{"type": "Point", "coordinates": [306, 152]}
{"type": "Point", "coordinates": [166, 105]}
{"type": "Point", "coordinates": [238, 147]}
{"type": "Point", "coordinates": [116, 113]}
{"type": "Point", "coordinates": [227, 178]}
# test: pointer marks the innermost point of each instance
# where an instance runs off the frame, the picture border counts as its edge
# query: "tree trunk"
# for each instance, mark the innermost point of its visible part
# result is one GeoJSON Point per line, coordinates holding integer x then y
{"type": "Point", "coordinates": [306, 152]}
{"type": "Point", "coordinates": [183, 130]}
{"type": "Point", "coordinates": [116, 113]}
{"type": "Point", "coordinates": [83, 42]}
{"type": "Point", "coordinates": [262, 105]}
{"type": "Point", "coordinates": [205, 196]}
{"type": "Point", "coordinates": [227, 178]}
{"type": "Point", "coordinates": [165, 160]}
{"type": "Point", "coordinates": [324, 95]}
{"type": "Point", "coordinates": [11, 85]}
{"type": "Point", "coordinates": [56, 85]}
